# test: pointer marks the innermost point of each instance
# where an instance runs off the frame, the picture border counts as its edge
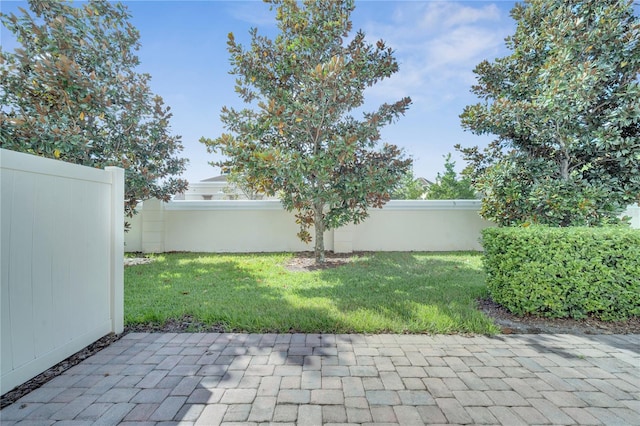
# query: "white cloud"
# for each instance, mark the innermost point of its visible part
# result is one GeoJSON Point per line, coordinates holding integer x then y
{"type": "Point", "coordinates": [443, 15]}
{"type": "Point", "coordinates": [256, 14]}
{"type": "Point", "coordinates": [461, 47]}
{"type": "Point", "coordinates": [438, 44]}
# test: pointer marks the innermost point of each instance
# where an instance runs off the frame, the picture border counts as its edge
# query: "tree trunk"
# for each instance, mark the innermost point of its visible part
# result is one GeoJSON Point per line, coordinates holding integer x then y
{"type": "Point", "coordinates": [318, 224]}
{"type": "Point", "coordinates": [564, 164]}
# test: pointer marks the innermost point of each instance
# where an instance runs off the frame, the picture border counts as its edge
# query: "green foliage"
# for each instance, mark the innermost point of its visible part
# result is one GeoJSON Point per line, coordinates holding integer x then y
{"type": "Point", "coordinates": [565, 106]}
{"type": "Point", "coordinates": [564, 272]}
{"type": "Point", "coordinates": [514, 196]}
{"type": "Point", "coordinates": [237, 181]}
{"type": "Point", "coordinates": [256, 293]}
{"type": "Point", "coordinates": [301, 141]}
{"type": "Point", "coordinates": [409, 188]}
{"type": "Point", "coordinates": [71, 92]}
{"type": "Point", "coordinates": [448, 186]}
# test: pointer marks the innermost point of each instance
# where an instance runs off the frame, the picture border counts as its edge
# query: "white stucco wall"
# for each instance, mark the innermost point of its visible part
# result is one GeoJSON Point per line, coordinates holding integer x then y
{"type": "Point", "coordinates": [634, 213]}
{"type": "Point", "coordinates": [264, 226]}
{"type": "Point", "coordinates": [422, 225]}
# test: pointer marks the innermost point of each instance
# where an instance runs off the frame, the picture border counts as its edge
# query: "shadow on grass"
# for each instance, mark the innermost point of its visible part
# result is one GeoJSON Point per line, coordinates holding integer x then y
{"type": "Point", "coordinates": [234, 293]}
{"type": "Point", "coordinates": [382, 292]}
{"type": "Point", "coordinates": [415, 292]}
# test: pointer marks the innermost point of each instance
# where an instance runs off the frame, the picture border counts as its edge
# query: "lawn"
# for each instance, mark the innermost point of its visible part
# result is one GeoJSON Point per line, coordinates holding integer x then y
{"type": "Point", "coordinates": [374, 293]}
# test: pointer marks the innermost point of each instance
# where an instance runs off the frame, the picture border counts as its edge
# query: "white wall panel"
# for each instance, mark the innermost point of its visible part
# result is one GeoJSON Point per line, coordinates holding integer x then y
{"type": "Point", "coordinates": [43, 247]}
{"type": "Point", "coordinates": [424, 226]}
{"type": "Point", "coordinates": [19, 252]}
{"type": "Point", "coordinates": [58, 265]}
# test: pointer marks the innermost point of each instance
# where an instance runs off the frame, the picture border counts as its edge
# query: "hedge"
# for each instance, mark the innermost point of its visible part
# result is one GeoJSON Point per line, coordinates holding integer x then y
{"type": "Point", "coordinates": [564, 272]}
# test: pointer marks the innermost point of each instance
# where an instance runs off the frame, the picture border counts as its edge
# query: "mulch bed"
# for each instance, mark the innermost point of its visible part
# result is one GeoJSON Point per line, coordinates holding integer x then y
{"type": "Point", "coordinates": [511, 323]}
{"type": "Point", "coordinates": [305, 261]}
{"type": "Point", "coordinates": [75, 359]}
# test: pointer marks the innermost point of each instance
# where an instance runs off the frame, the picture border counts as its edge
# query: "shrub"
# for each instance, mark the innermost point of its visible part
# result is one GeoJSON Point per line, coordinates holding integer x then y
{"type": "Point", "coordinates": [564, 272]}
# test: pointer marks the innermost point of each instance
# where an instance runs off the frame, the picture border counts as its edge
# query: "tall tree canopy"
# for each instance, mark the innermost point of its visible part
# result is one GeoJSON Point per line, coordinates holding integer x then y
{"type": "Point", "coordinates": [409, 188]}
{"type": "Point", "coordinates": [565, 105]}
{"type": "Point", "coordinates": [447, 185]}
{"type": "Point", "coordinates": [70, 91]}
{"type": "Point", "coordinates": [301, 141]}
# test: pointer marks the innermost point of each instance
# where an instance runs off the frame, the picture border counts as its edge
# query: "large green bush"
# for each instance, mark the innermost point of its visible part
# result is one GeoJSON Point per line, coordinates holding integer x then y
{"type": "Point", "coordinates": [564, 272]}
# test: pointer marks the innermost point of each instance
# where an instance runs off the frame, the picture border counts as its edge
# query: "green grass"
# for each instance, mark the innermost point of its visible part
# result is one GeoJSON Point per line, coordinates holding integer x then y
{"type": "Point", "coordinates": [376, 293]}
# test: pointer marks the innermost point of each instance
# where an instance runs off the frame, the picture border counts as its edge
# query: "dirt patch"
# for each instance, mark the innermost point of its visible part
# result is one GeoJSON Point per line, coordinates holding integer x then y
{"type": "Point", "coordinates": [132, 261]}
{"type": "Point", "coordinates": [137, 259]}
{"type": "Point", "coordinates": [306, 261]}
{"type": "Point", "coordinates": [510, 323]}
{"type": "Point", "coordinates": [186, 324]}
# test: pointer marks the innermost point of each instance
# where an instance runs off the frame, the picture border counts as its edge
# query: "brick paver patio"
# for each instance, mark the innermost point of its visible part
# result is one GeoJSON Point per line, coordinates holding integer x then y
{"type": "Point", "coordinates": [311, 379]}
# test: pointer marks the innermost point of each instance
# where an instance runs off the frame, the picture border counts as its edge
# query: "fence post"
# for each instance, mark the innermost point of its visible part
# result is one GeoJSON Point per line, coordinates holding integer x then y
{"type": "Point", "coordinates": [117, 249]}
{"type": "Point", "coordinates": [153, 226]}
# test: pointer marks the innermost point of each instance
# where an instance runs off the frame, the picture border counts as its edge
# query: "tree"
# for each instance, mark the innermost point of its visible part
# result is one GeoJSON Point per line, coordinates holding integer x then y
{"type": "Point", "coordinates": [448, 187]}
{"type": "Point", "coordinates": [237, 182]}
{"type": "Point", "coordinates": [409, 188]}
{"type": "Point", "coordinates": [71, 92]}
{"type": "Point", "coordinates": [302, 141]}
{"type": "Point", "coordinates": [565, 105]}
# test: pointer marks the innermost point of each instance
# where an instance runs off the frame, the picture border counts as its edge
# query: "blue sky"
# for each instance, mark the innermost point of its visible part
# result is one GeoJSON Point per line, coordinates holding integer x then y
{"type": "Point", "coordinates": [437, 45]}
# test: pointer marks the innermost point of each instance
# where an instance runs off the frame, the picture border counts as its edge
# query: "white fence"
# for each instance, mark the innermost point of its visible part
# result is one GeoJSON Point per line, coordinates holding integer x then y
{"type": "Point", "coordinates": [62, 261]}
{"type": "Point", "coordinates": [264, 226]}
{"type": "Point", "coordinates": [633, 212]}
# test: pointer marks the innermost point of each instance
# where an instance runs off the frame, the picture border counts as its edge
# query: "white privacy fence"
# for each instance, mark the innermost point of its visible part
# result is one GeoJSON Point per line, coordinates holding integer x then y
{"type": "Point", "coordinates": [62, 261]}
{"type": "Point", "coordinates": [264, 226]}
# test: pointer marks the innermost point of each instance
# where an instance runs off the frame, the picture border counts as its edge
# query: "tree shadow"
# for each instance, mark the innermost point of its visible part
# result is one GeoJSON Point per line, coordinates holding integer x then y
{"type": "Point", "coordinates": [231, 295]}
{"type": "Point", "coordinates": [378, 292]}
{"type": "Point", "coordinates": [428, 294]}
